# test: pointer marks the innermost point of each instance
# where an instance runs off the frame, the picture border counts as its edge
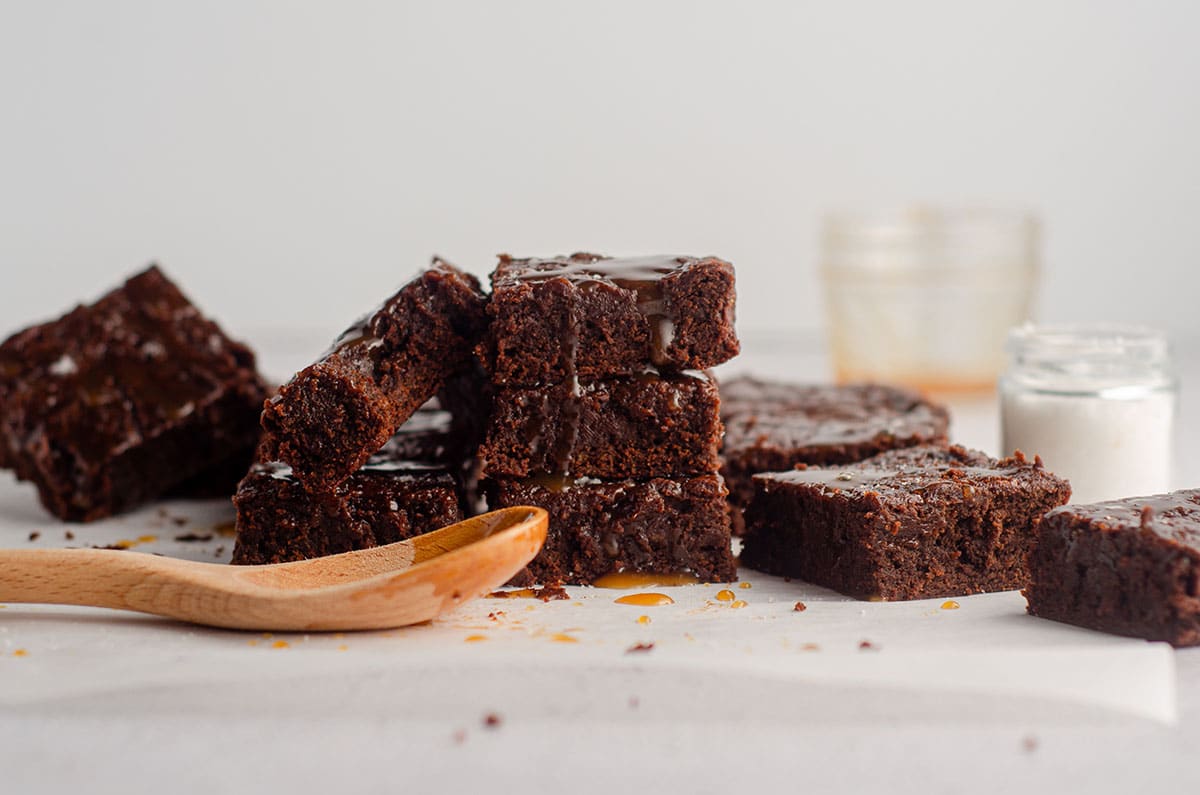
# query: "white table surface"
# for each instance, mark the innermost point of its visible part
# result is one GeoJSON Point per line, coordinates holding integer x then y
{"type": "Point", "coordinates": [981, 698]}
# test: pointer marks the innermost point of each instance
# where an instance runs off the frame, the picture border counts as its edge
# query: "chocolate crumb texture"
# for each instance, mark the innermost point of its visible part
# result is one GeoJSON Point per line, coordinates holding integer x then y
{"type": "Point", "coordinates": [492, 720]}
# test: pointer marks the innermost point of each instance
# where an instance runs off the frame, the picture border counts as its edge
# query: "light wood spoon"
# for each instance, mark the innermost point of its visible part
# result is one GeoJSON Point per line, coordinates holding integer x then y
{"type": "Point", "coordinates": [390, 586]}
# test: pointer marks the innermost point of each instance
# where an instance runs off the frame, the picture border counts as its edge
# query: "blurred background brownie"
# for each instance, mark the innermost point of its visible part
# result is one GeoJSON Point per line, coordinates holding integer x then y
{"type": "Point", "coordinates": [915, 523]}
{"type": "Point", "coordinates": [588, 317]}
{"type": "Point", "coordinates": [1129, 567]}
{"type": "Point", "coordinates": [334, 414]}
{"type": "Point", "coordinates": [661, 525]}
{"type": "Point", "coordinates": [772, 426]}
{"type": "Point", "coordinates": [119, 402]}
{"type": "Point", "coordinates": [649, 425]}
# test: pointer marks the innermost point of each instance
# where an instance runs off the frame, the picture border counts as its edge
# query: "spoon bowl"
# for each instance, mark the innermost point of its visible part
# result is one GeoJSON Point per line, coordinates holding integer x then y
{"type": "Point", "coordinates": [379, 588]}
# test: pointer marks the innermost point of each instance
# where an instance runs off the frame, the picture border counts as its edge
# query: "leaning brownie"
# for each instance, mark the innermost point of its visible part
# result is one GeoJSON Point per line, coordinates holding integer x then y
{"type": "Point", "coordinates": [587, 317]}
{"type": "Point", "coordinates": [772, 426]}
{"type": "Point", "coordinates": [907, 524]}
{"type": "Point", "coordinates": [392, 497]}
{"type": "Point", "coordinates": [1130, 567]}
{"type": "Point", "coordinates": [650, 425]}
{"type": "Point", "coordinates": [334, 414]}
{"type": "Point", "coordinates": [659, 525]}
{"type": "Point", "coordinates": [118, 402]}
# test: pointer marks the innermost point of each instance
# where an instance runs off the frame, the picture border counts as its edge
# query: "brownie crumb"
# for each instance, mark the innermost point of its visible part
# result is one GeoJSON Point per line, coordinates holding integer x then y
{"type": "Point", "coordinates": [800, 607]}
{"type": "Point", "coordinates": [639, 647]}
{"type": "Point", "coordinates": [180, 521]}
{"type": "Point", "coordinates": [552, 592]}
{"type": "Point", "coordinates": [219, 551]}
{"type": "Point", "coordinates": [1029, 744]}
{"type": "Point", "coordinates": [190, 537]}
{"type": "Point", "coordinates": [867, 645]}
{"type": "Point", "coordinates": [35, 535]}
{"type": "Point", "coordinates": [491, 720]}
{"type": "Point", "coordinates": [69, 535]}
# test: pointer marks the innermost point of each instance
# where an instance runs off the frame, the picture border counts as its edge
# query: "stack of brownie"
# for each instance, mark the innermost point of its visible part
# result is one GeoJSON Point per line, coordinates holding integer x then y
{"type": "Point", "coordinates": [604, 416]}
{"type": "Point", "coordinates": [349, 459]}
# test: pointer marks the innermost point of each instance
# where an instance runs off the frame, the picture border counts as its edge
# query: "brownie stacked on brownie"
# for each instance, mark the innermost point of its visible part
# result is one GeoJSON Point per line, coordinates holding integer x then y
{"type": "Point", "coordinates": [603, 415]}
{"type": "Point", "coordinates": [342, 466]}
{"type": "Point", "coordinates": [125, 400]}
{"type": "Point", "coordinates": [772, 426]}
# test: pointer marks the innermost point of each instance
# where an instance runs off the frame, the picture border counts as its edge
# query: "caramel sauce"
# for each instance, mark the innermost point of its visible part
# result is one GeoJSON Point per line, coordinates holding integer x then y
{"type": "Point", "coordinates": [20, 653]}
{"type": "Point", "coordinates": [147, 539]}
{"type": "Point", "coordinates": [520, 593]}
{"type": "Point", "coordinates": [725, 595]}
{"type": "Point", "coordinates": [560, 637]}
{"type": "Point", "coordinates": [280, 644]}
{"type": "Point", "coordinates": [474, 638]}
{"type": "Point", "coordinates": [643, 619]}
{"type": "Point", "coordinates": [745, 585]}
{"type": "Point", "coordinates": [950, 604]}
{"type": "Point", "coordinates": [738, 604]}
{"type": "Point", "coordinates": [637, 579]}
{"type": "Point", "coordinates": [645, 599]}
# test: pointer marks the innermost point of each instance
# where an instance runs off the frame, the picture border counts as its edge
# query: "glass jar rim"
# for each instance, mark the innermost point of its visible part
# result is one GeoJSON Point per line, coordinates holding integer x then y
{"type": "Point", "coordinates": [1089, 341]}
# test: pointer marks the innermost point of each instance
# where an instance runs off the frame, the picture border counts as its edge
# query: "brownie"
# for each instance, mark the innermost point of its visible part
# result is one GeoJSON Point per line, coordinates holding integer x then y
{"type": "Point", "coordinates": [1129, 567]}
{"type": "Point", "coordinates": [649, 425]}
{"type": "Point", "coordinates": [658, 525]}
{"type": "Point", "coordinates": [118, 402]}
{"type": "Point", "coordinates": [587, 317]}
{"type": "Point", "coordinates": [334, 414]}
{"type": "Point", "coordinates": [772, 426]}
{"type": "Point", "coordinates": [915, 523]}
{"type": "Point", "coordinates": [391, 498]}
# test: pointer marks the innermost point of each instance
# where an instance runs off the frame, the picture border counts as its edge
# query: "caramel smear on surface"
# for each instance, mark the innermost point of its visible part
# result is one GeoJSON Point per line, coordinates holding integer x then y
{"type": "Point", "coordinates": [725, 595]}
{"type": "Point", "coordinates": [643, 619]}
{"type": "Point", "coordinates": [634, 579]}
{"type": "Point", "coordinates": [474, 638]}
{"type": "Point", "coordinates": [745, 585]}
{"type": "Point", "coordinates": [21, 653]}
{"type": "Point", "coordinates": [738, 603]}
{"type": "Point", "coordinates": [280, 644]}
{"type": "Point", "coordinates": [562, 637]}
{"type": "Point", "coordinates": [147, 539]}
{"type": "Point", "coordinates": [226, 529]}
{"type": "Point", "coordinates": [950, 604]}
{"type": "Point", "coordinates": [645, 599]}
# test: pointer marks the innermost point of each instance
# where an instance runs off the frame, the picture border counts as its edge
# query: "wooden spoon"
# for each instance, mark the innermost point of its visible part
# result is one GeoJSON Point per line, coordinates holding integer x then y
{"type": "Point", "coordinates": [380, 588]}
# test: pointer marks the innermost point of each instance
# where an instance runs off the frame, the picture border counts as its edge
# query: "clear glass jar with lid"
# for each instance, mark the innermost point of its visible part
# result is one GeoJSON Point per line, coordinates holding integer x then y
{"type": "Point", "coordinates": [1096, 402]}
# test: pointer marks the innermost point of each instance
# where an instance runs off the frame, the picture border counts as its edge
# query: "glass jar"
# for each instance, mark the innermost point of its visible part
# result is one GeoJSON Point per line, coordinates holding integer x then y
{"type": "Point", "coordinates": [1096, 402]}
{"type": "Point", "coordinates": [924, 297]}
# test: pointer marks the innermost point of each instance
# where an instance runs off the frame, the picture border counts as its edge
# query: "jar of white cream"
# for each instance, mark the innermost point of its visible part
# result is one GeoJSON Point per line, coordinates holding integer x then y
{"type": "Point", "coordinates": [1096, 402]}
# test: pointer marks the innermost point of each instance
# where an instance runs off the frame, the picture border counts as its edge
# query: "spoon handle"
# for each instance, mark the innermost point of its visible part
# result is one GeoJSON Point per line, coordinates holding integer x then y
{"type": "Point", "coordinates": [94, 578]}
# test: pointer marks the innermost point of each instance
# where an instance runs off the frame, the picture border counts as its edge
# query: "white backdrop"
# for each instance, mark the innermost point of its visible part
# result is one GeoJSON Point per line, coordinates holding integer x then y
{"type": "Point", "coordinates": [290, 162]}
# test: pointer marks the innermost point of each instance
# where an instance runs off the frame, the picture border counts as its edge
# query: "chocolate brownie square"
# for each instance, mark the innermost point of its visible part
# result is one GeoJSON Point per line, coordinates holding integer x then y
{"type": "Point", "coordinates": [402, 491]}
{"type": "Point", "coordinates": [649, 425]}
{"type": "Point", "coordinates": [118, 402]}
{"type": "Point", "coordinates": [587, 317]}
{"type": "Point", "coordinates": [772, 426]}
{"type": "Point", "coordinates": [334, 414]}
{"type": "Point", "coordinates": [1129, 567]}
{"type": "Point", "coordinates": [915, 523]}
{"type": "Point", "coordinates": [659, 525]}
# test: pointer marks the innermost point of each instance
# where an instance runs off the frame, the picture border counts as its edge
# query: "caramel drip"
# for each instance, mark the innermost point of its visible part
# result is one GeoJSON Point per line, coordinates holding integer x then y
{"type": "Point", "coordinates": [645, 599]}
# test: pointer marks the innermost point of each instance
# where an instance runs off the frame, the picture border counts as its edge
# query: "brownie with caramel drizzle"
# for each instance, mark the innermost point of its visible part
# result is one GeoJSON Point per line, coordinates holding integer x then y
{"type": "Point", "coordinates": [334, 414]}
{"type": "Point", "coordinates": [586, 317]}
